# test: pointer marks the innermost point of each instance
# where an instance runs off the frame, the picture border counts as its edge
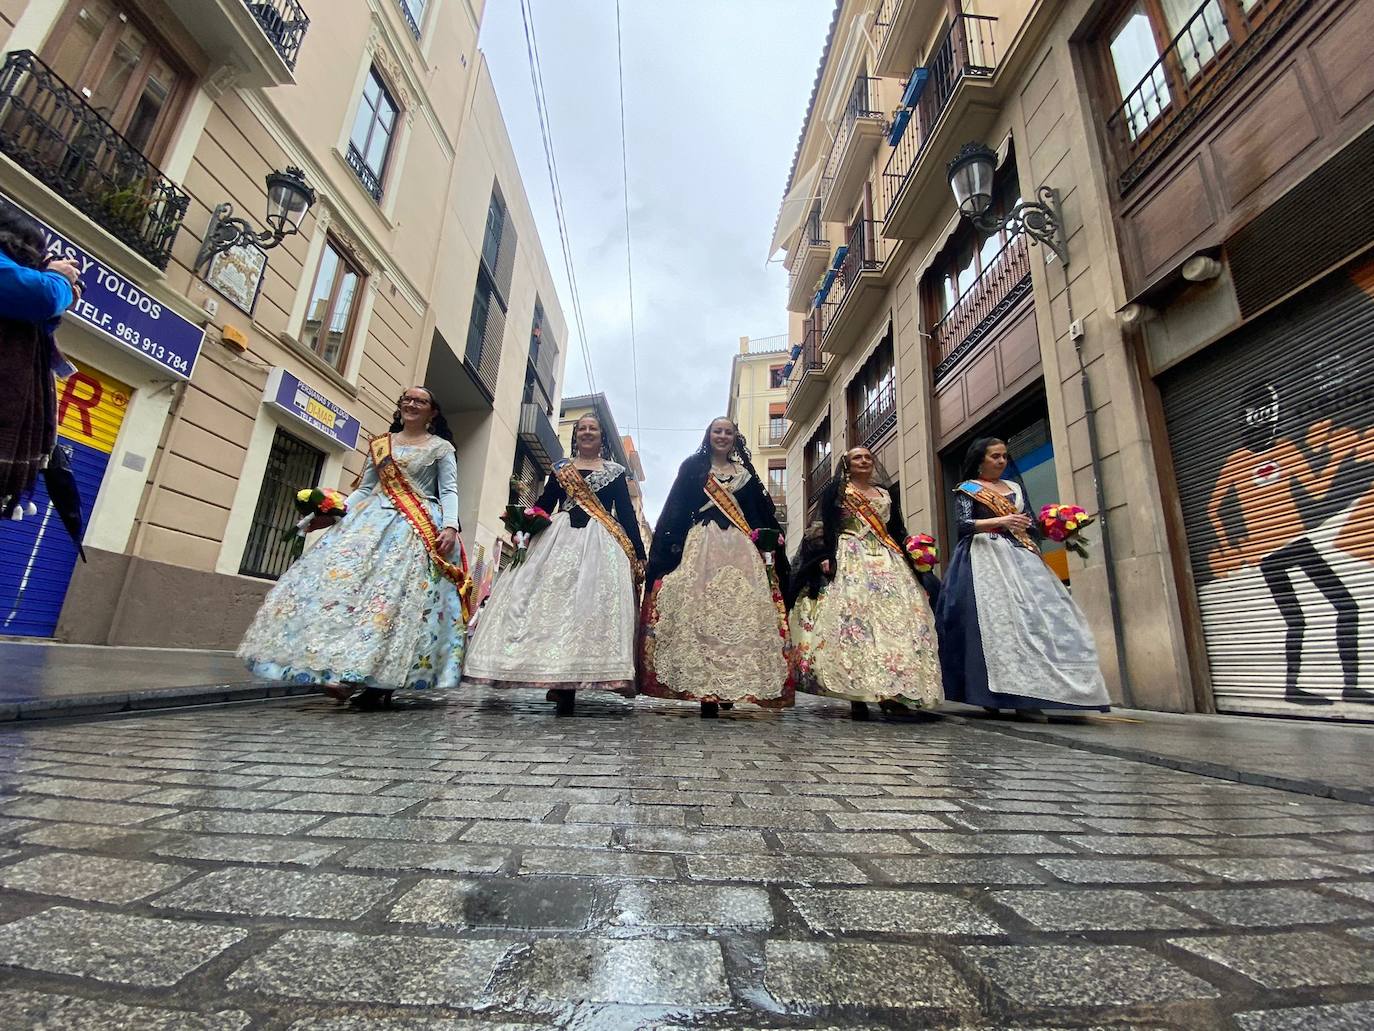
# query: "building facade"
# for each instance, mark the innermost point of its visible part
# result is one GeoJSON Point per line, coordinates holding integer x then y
{"type": "Point", "coordinates": [758, 404]}
{"type": "Point", "coordinates": [211, 386]}
{"type": "Point", "coordinates": [1199, 152]}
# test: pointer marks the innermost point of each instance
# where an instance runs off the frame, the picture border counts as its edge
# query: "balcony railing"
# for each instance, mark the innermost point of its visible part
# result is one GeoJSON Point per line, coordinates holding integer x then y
{"type": "Point", "coordinates": [968, 50]}
{"type": "Point", "coordinates": [983, 305]}
{"type": "Point", "coordinates": [862, 256]}
{"type": "Point", "coordinates": [1213, 47]}
{"type": "Point", "coordinates": [813, 486]}
{"type": "Point", "coordinates": [810, 358]}
{"type": "Point", "coordinates": [771, 434]}
{"type": "Point", "coordinates": [365, 175]}
{"type": "Point", "coordinates": [49, 130]}
{"type": "Point", "coordinates": [409, 16]}
{"type": "Point", "coordinates": [285, 22]}
{"type": "Point", "coordinates": [862, 103]}
{"type": "Point", "coordinates": [879, 415]}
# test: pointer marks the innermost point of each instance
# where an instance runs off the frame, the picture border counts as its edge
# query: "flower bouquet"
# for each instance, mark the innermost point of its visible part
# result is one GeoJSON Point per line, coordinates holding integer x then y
{"type": "Point", "coordinates": [924, 552]}
{"type": "Point", "coordinates": [320, 508]}
{"type": "Point", "coordinates": [1065, 523]}
{"type": "Point", "coordinates": [768, 541]}
{"type": "Point", "coordinates": [523, 522]}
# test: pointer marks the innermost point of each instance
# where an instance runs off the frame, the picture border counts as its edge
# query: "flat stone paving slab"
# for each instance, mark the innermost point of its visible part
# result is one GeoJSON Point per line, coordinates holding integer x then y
{"type": "Point", "coordinates": [481, 864]}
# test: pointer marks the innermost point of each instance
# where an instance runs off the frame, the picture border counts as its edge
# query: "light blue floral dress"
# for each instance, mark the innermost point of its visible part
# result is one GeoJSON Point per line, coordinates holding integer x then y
{"type": "Point", "coordinates": [366, 605]}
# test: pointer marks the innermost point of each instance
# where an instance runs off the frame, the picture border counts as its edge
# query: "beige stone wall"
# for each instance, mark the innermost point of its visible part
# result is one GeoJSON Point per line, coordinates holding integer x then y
{"type": "Point", "coordinates": [187, 469]}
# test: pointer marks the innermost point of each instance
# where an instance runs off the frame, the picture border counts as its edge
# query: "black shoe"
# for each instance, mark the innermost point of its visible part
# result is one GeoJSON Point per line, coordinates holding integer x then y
{"type": "Point", "coordinates": [386, 699]}
{"type": "Point", "coordinates": [858, 710]}
{"type": "Point", "coordinates": [369, 699]}
{"type": "Point", "coordinates": [564, 701]}
{"type": "Point", "coordinates": [1357, 694]}
{"type": "Point", "coordinates": [1301, 697]}
{"type": "Point", "coordinates": [710, 710]}
{"type": "Point", "coordinates": [726, 706]}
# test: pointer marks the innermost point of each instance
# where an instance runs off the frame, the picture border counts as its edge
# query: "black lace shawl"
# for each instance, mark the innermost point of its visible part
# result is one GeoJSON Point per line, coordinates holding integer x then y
{"type": "Point", "coordinates": [615, 499]}
{"type": "Point", "coordinates": [682, 511]}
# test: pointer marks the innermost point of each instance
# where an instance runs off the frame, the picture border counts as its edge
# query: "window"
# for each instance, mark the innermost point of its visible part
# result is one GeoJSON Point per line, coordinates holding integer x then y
{"type": "Point", "coordinates": [414, 11]}
{"type": "Point", "coordinates": [374, 128]}
{"type": "Point", "coordinates": [816, 467]}
{"type": "Point", "coordinates": [872, 397]}
{"type": "Point", "coordinates": [777, 427]}
{"type": "Point", "coordinates": [776, 378]}
{"type": "Point", "coordinates": [107, 53]}
{"type": "Point", "coordinates": [291, 465]}
{"type": "Point", "coordinates": [777, 477]}
{"type": "Point", "coordinates": [329, 317]}
{"type": "Point", "coordinates": [969, 254]}
{"type": "Point", "coordinates": [487, 322]}
{"type": "Point", "coordinates": [543, 359]}
{"type": "Point", "coordinates": [1191, 34]}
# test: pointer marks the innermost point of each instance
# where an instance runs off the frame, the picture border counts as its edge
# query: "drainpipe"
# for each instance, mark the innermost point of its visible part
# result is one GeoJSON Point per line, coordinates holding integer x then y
{"type": "Point", "coordinates": [1094, 452]}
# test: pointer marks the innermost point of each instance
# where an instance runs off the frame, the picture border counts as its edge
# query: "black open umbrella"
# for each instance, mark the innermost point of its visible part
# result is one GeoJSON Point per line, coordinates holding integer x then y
{"type": "Point", "coordinates": [64, 495]}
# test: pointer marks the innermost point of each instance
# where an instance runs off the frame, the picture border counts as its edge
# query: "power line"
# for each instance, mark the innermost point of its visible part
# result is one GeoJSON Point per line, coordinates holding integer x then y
{"type": "Point", "coordinates": [541, 106]}
{"type": "Point", "coordinates": [625, 182]}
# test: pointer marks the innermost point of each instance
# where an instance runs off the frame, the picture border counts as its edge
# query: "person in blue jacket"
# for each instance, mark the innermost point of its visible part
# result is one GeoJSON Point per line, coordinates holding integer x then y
{"type": "Point", "coordinates": [34, 292]}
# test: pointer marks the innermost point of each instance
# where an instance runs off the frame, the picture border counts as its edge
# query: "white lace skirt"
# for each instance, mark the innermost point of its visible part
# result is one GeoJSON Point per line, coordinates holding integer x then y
{"type": "Point", "coordinates": [563, 618]}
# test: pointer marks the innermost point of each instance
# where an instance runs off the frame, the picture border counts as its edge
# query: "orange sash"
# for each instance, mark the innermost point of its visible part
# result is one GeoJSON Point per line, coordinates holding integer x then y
{"type": "Point", "coordinates": [858, 504]}
{"type": "Point", "coordinates": [409, 503]}
{"type": "Point", "coordinates": [576, 488]}
{"type": "Point", "coordinates": [1002, 506]}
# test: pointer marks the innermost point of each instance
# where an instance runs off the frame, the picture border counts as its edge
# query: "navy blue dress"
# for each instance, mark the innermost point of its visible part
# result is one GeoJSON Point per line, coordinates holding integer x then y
{"type": "Point", "coordinates": [1011, 637]}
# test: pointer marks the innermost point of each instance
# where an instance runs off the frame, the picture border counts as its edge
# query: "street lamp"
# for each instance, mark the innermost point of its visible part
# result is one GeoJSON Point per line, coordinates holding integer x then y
{"type": "Point", "coordinates": [288, 199]}
{"type": "Point", "coordinates": [971, 177]}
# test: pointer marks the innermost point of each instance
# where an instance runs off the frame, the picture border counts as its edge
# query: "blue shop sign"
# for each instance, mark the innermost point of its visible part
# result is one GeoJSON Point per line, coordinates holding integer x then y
{"type": "Point", "coordinates": [304, 402]}
{"type": "Point", "coordinates": [115, 307]}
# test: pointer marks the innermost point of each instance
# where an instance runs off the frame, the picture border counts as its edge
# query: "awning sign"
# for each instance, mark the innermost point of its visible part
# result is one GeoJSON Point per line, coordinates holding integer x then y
{"type": "Point", "coordinates": [287, 393]}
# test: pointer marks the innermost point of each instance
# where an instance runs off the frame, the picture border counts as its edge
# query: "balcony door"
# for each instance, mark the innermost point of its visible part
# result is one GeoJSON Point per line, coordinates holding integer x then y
{"type": "Point", "coordinates": [107, 54]}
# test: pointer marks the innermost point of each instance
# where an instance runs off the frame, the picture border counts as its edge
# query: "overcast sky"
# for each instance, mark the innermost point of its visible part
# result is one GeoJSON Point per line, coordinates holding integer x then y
{"type": "Point", "coordinates": [715, 92]}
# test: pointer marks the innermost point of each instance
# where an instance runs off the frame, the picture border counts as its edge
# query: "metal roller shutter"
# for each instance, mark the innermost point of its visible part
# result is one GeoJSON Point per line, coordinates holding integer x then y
{"type": "Point", "coordinates": [1272, 435]}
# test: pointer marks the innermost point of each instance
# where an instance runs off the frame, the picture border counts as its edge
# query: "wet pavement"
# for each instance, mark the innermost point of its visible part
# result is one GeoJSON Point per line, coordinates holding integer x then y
{"type": "Point", "coordinates": [483, 864]}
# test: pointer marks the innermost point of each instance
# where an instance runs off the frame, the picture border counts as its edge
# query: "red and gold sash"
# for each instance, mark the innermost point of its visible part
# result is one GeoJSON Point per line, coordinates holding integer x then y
{"type": "Point", "coordinates": [725, 501]}
{"type": "Point", "coordinates": [576, 488]}
{"type": "Point", "coordinates": [855, 501]}
{"type": "Point", "coordinates": [408, 501]}
{"type": "Point", "coordinates": [1001, 505]}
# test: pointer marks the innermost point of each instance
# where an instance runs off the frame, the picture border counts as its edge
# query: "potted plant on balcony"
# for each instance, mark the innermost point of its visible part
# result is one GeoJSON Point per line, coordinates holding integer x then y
{"type": "Point", "coordinates": [128, 205]}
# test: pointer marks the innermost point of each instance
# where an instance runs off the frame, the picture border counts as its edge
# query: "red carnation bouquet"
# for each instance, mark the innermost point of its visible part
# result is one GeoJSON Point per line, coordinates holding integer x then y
{"type": "Point", "coordinates": [924, 552]}
{"type": "Point", "coordinates": [1065, 523]}
{"type": "Point", "coordinates": [522, 522]}
{"type": "Point", "coordinates": [320, 508]}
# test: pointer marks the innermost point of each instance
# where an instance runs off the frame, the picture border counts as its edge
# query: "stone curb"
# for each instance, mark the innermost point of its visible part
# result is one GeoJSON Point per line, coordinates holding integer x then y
{"type": "Point", "coordinates": [136, 701]}
{"type": "Point", "coordinates": [1201, 767]}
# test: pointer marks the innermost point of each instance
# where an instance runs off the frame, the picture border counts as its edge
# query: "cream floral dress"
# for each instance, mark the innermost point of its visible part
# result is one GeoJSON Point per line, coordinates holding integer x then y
{"type": "Point", "coordinates": [366, 605]}
{"type": "Point", "coordinates": [873, 634]}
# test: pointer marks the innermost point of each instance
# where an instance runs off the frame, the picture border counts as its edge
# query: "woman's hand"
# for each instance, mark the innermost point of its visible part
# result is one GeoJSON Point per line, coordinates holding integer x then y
{"type": "Point", "coordinates": [448, 537]}
{"type": "Point", "coordinates": [65, 268]}
{"type": "Point", "coordinates": [1015, 521]}
{"type": "Point", "coordinates": [827, 567]}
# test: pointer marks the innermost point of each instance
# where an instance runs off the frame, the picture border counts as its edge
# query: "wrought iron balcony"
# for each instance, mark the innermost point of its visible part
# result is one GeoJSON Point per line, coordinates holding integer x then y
{"type": "Point", "coordinates": [855, 287]}
{"type": "Point", "coordinates": [808, 262]}
{"type": "Point", "coordinates": [365, 175]}
{"type": "Point", "coordinates": [813, 486]}
{"type": "Point", "coordinates": [968, 50]}
{"type": "Point", "coordinates": [771, 433]}
{"type": "Point", "coordinates": [285, 22]}
{"type": "Point", "coordinates": [859, 135]}
{"type": "Point", "coordinates": [409, 16]}
{"type": "Point", "coordinates": [878, 417]}
{"type": "Point", "coordinates": [806, 384]}
{"type": "Point", "coordinates": [1214, 46]}
{"type": "Point", "coordinates": [49, 130]}
{"type": "Point", "coordinates": [983, 305]}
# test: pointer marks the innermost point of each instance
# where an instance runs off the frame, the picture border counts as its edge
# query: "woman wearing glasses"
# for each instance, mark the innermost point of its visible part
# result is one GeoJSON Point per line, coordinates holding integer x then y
{"type": "Point", "coordinates": [377, 605]}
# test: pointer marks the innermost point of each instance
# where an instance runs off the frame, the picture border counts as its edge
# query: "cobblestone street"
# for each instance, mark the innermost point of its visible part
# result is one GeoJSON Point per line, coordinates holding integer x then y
{"type": "Point", "coordinates": [483, 864]}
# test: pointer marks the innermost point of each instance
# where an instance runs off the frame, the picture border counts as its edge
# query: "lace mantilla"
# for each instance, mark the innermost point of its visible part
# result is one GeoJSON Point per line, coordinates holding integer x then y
{"type": "Point", "coordinates": [597, 480]}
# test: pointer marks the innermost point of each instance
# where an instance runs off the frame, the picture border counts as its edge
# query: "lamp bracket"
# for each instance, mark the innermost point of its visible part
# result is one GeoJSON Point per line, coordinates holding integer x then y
{"type": "Point", "coordinates": [227, 231]}
{"type": "Point", "coordinates": [1041, 220]}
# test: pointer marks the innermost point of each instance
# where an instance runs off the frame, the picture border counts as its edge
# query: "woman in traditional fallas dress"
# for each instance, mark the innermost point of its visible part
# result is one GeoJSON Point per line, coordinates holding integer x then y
{"type": "Point", "coordinates": [714, 624]}
{"type": "Point", "coordinates": [564, 619]}
{"type": "Point", "coordinates": [873, 637]}
{"type": "Point", "coordinates": [379, 603]}
{"type": "Point", "coordinates": [1011, 637]}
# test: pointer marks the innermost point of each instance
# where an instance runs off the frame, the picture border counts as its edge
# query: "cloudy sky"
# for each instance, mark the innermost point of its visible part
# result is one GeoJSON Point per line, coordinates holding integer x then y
{"type": "Point", "coordinates": [715, 91]}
